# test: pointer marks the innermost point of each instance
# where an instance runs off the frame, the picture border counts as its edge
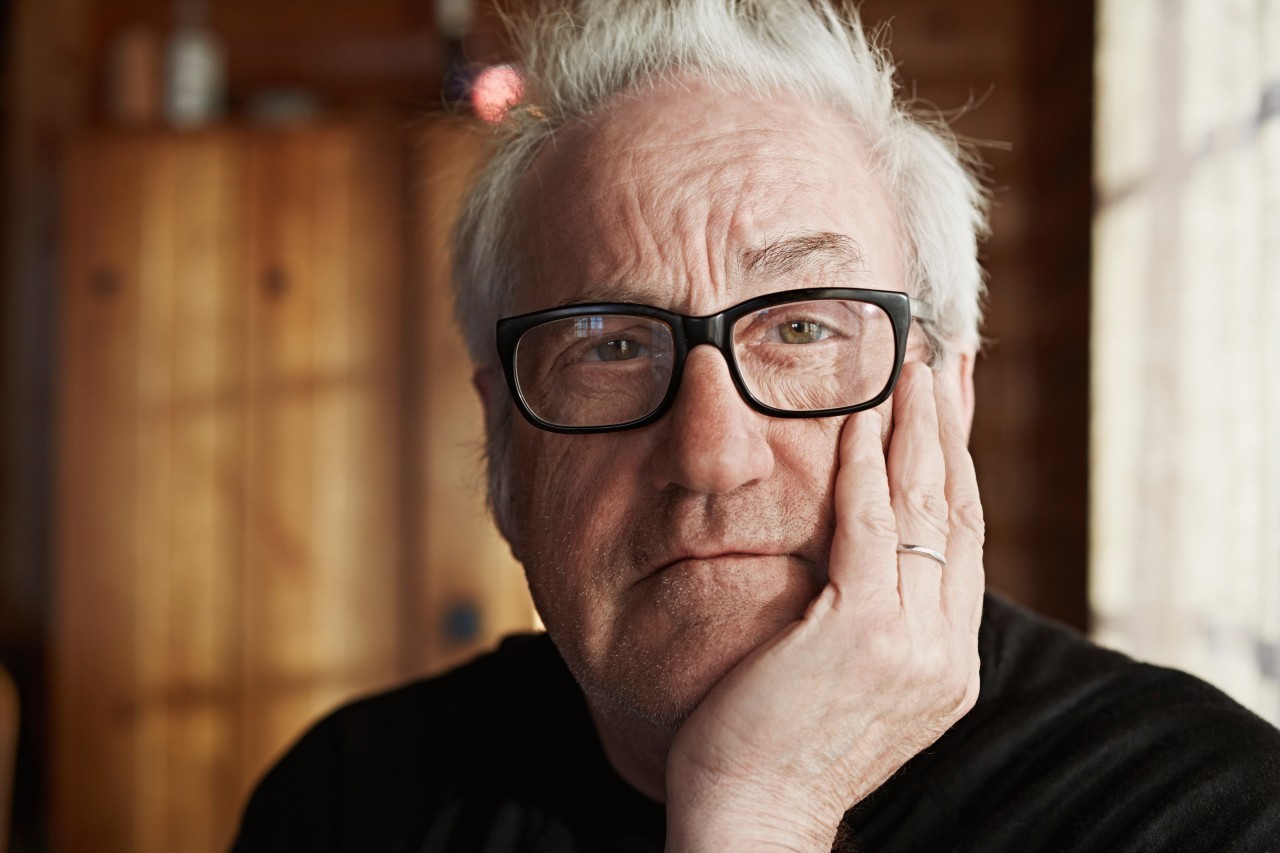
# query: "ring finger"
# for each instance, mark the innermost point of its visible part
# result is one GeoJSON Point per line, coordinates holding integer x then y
{"type": "Point", "coordinates": [917, 487]}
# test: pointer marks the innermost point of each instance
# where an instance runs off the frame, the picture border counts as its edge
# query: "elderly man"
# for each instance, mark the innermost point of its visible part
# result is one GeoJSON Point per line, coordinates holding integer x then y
{"type": "Point", "coordinates": [722, 296]}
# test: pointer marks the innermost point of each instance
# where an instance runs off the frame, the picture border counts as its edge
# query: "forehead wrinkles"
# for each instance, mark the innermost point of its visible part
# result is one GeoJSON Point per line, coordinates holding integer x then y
{"type": "Point", "coordinates": [667, 189]}
{"type": "Point", "coordinates": [631, 210]}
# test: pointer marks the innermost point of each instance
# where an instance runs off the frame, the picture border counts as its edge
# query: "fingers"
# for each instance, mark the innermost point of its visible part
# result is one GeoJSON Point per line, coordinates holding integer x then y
{"type": "Point", "coordinates": [924, 493]}
{"type": "Point", "coordinates": [862, 551]}
{"type": "Point", "coordinates": [918, 487]}
{"type": "Point", "coordinates": [963, 581]}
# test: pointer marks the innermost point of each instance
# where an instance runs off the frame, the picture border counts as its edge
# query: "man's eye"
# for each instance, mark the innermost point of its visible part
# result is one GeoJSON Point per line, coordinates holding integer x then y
{"type": "Point", "coordinates": [618, 350]}
{"type": "Point", "coordinates": [802, 332]}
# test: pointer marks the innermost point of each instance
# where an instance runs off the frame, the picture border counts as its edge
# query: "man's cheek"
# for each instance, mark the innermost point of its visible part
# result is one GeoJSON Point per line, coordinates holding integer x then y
{"type": "Point", "coordinates": [567, 482]}
{"type": "Point", "coordinates": [807, 448]}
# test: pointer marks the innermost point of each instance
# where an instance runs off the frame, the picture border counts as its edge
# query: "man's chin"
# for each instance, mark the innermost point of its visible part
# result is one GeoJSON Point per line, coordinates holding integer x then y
{"type": "Point", "coordinates": [664, 709]}
{"type": "Point", "coordinates": [680, 631]}
{"type": "Point", "coordinates": [663, 687]}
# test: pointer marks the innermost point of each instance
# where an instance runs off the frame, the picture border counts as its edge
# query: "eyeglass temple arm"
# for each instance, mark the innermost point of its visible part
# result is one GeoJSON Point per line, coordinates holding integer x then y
{"type": "Point", "coordinates": [921, 310]}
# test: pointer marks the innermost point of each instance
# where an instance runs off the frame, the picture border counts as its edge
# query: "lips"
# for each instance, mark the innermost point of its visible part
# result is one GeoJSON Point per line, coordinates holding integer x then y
{"type": "Point", "coordinates": [700, 556]}
{"type": "Point", "coordinates": [703, 587]}
{"type": "Point", "coordinates": [716, 555]}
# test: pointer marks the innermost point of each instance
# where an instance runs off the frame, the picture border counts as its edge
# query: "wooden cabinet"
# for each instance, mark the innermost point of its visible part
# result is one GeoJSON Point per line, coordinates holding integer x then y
{"type": "Point", "coordinates": [264, 462]}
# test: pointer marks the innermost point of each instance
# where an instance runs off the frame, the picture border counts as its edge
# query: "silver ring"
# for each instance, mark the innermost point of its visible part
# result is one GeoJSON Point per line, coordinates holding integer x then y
{"type": "Point", "coordinates": [923, 551]}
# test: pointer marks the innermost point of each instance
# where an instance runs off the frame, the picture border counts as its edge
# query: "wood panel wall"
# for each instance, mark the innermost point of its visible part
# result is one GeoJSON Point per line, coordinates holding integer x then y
{"type": "Point", "coordinates": [232, 516]}
{"type": "Point", "coordinates": [44, 94]}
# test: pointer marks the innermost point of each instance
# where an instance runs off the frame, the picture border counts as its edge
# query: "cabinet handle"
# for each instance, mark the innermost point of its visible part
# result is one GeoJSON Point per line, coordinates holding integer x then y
{"type": "Point", "coordinates": [104, 282]}
{"type": "Point", "coordinates": [275, 283]}
{"type": "Point", "coordinates": [461, 622]}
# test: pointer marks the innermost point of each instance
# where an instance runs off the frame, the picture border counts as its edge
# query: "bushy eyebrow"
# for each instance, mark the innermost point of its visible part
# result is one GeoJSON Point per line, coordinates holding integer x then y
{"type": "Point", "coordinates": [823, 249]}
{"type": "Point", "coordinates": [612, 293]}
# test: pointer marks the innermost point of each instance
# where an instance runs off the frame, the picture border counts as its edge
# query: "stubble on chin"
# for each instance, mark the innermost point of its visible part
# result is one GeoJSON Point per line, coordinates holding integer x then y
{"type": "Point", "coordinates": [655, 645]}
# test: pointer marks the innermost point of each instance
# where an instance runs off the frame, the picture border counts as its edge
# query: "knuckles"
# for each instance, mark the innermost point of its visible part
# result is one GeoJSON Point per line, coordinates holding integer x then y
{"type": "Point", "coordinates": [968, 515]}
{"type": "Point", "coordinates": [878, 521]}
{"type": "Point", "coordinates": [887, 652]}
{"type": "Point", "coordinates": [927, 504]}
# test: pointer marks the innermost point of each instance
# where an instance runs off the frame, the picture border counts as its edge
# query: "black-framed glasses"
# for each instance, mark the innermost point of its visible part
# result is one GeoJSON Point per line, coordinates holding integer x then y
{"type": "Point", "coordinates": [609, 366]}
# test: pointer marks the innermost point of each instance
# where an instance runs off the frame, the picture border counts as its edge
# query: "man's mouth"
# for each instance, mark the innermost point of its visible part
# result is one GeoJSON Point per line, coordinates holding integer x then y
{"type": "Point", "coordinates": [718, 554]}
{"type": "Point", "coordinates": [725, 556]}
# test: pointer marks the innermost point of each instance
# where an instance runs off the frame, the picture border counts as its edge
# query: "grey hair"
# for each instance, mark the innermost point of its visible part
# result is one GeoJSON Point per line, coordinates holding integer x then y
{"type": "Point", "coordinates": [577, 57]}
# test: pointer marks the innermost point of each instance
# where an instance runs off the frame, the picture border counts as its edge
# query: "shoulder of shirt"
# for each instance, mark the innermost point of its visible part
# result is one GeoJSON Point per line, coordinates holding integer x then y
{"type": "Point", "coordinates": [520, 663]}
{"type": "Point", "coordinates": [1088, 747]}
{"type": "Point", "coordinates": [377, 754]}
{"type": "Point", "coordinates": [1027, 656]}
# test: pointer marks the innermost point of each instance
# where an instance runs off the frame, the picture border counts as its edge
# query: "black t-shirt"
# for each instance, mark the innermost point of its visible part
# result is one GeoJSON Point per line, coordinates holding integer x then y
{"type": "Point", "coordinates": [1070, 747]}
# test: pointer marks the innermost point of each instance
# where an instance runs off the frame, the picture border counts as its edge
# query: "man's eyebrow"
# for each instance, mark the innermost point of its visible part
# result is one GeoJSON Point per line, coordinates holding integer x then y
{"type": "Point", "coordinates": [612, 293]}
{"type": "Point", "coordinates": [820, 248]}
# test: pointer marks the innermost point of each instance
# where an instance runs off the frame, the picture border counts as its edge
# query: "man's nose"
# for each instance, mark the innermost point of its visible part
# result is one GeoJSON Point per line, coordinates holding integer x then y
{"type": "Point", "coordinates": [711, 442]}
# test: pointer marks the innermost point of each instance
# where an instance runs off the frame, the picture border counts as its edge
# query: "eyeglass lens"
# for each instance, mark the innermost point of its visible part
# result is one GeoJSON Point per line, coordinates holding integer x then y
{"type": "Point", "coordinates": [605, 369]}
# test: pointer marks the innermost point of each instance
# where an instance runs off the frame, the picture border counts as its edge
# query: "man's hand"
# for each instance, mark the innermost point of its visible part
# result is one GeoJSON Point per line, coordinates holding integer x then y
{"type": "Point", "coordinates": [884, 661]}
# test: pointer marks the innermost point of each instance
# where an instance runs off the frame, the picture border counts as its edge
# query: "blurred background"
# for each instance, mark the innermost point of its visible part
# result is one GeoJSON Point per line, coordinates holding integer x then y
{"type": "Point", "coordinates": [240, 475]}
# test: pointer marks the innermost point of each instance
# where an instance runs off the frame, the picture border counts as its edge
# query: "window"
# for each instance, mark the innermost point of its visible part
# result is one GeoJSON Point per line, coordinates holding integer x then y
{"type": "Point", "coordinates": [1185, 467]}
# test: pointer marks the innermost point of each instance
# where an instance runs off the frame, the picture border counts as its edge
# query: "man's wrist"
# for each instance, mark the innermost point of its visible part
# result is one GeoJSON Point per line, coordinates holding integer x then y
{"type": "Point", "coordinates": [708, 831]}
{"type": "Point", "coordinates": [705, 815]}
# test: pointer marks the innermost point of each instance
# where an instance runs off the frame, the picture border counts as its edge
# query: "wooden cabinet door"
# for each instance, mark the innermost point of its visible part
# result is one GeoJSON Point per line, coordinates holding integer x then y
{"type": "Point", "coordinates": [245, 475]}
{"type": "Point", "coordinates": [323, 429]}
{"type": "Point", "coordinates": [149, 577]}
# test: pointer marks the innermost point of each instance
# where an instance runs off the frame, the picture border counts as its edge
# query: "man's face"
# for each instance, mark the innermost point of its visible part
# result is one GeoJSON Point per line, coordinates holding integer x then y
{"type": "Point", "coordinates": [659, 557]}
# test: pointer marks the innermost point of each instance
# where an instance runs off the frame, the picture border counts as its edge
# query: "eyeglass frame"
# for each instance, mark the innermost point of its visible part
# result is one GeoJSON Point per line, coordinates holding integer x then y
{"type": "Point", "coordinates": [714, 330]}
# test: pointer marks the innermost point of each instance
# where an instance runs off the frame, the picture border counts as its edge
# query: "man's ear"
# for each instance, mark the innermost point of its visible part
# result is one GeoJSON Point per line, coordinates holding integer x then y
{"type": "Point", "coordinates": [488, 385]}
{"type": "Point", "coordinates": [960, 372]}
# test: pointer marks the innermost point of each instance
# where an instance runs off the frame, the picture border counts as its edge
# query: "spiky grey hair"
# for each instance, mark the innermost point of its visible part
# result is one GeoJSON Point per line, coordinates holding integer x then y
{"type": "Point", "coordinates": [577, 57]}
